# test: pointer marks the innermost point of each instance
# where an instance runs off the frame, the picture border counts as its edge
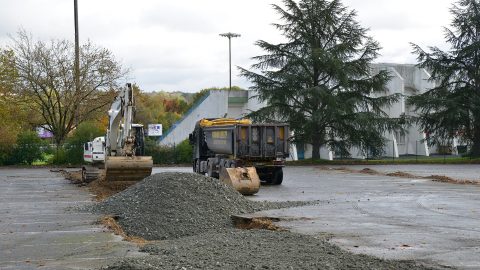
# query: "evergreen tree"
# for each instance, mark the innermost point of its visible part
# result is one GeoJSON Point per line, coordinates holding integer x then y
{"type": "Point", "coordinates": [452, 108]}
{"type": "Point", "coordinates": [320, 80]}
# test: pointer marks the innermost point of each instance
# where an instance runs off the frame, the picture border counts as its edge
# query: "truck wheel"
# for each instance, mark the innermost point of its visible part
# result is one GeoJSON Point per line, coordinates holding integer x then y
{"type": "Point", "coordinates": [277, 176]}
{"type": "Point", "coordinates": [196, 166]}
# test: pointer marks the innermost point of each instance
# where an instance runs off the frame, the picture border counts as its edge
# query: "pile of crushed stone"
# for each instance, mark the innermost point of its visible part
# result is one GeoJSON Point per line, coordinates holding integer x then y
{"type": "Point", "coordinates": [255, 249]}
{"type": "Point", "coordinates": [172, 205]}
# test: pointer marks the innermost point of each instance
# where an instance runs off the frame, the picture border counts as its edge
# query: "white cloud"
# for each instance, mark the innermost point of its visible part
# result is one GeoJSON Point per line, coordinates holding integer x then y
{"type": "Point", "coordinates": [174, 45]}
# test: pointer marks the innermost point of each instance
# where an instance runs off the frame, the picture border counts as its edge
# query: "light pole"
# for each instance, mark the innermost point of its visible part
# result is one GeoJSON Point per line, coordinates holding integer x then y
{"type": "Point", "coordinates": [230, 35]}
{"type": "Point", "coordinates": [77, 57]}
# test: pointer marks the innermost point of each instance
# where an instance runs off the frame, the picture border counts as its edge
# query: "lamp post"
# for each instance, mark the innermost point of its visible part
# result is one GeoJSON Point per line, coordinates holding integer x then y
{"type": "Point", "coordinates": [230, 35]}
{"type": "Point", "coordinates": [77, 57]}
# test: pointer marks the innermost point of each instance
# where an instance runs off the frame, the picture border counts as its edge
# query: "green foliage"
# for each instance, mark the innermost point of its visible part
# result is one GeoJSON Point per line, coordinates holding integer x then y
{"type": "Point", "coordinates": [59, 156]}
{"type": "Point", "coordinates": [320, 80]}
{"type": "Point", "coordinates": [85, 132]}
{"type": "Point", "coordinates": [159, 107]}
{"type": "Point", "coordinates": [178, 154]}
{"type": "Point", "coordinates": [28, 148]}
{"type": "Point", "coordinates": [184, 152]}
{"type": "Point", "coordinates": [452, 108]}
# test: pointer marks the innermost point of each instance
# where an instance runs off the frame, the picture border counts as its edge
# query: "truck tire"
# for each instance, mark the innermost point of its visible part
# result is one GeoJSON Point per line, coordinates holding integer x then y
{"type": "Point", "coordinates": [277, 176]}
{"type": "Point", "coordinates": [196, 165]}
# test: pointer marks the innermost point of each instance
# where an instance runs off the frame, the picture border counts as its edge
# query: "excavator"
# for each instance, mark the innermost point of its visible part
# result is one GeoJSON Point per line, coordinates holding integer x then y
{"type": "Point", "coordinates": [121, 153]}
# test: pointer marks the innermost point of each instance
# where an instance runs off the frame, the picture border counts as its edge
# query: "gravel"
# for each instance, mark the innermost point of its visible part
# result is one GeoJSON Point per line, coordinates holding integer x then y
{"type": "Point", "coordinates": [191, 215]}
{"type": "Point", "coordinates": [172, 205]}
{"type": "Point", "coordinates": [255, 249]}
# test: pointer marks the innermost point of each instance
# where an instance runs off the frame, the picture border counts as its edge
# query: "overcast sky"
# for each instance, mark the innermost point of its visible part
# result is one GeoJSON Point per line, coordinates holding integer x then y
{"type": "Point", "coordinates": [175, 45]}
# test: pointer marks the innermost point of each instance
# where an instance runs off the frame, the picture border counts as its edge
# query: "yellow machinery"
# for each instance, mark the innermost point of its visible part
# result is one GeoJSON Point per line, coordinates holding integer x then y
{"type": "Point", "coordinates": [240, 153]}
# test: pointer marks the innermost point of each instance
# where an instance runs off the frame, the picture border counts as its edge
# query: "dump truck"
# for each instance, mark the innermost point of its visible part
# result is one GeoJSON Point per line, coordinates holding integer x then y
{"type": "Point", "coordinates": [240, 153]}
{"type": "Point", "coordinates": [121, 152]}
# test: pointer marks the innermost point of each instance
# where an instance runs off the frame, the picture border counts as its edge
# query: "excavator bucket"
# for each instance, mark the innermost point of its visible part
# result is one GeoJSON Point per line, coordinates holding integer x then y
{"type": "Point", "coordinates": [127, 168]}
{"type": "Point", "coordinates": [244, 180]}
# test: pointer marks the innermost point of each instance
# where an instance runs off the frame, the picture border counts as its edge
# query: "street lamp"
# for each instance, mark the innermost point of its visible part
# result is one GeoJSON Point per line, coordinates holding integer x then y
{"type": "Point", "coordinates": [77, 57]}
{"type": "Point", "coordinates": [230, 36]}
{"type": "Point", "coordinates": [77, 49]}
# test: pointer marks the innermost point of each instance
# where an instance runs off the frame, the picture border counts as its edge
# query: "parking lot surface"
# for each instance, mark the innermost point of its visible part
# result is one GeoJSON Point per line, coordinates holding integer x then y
{"type": "Point", "coordinates": [388, 217]}
{"type": "Point", "coordinates": [40, 230]}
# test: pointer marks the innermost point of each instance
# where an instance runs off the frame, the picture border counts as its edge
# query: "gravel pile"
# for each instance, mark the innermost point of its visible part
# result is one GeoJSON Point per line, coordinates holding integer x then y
{"type": "Point", "coordinates": [255, 249]}
{"type": "Point", "coordinates": [172, 205]}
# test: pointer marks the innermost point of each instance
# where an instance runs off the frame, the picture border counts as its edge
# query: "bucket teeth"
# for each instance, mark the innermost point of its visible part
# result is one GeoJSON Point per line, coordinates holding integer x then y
{"type": "Point", "coordinates": [244, 180]}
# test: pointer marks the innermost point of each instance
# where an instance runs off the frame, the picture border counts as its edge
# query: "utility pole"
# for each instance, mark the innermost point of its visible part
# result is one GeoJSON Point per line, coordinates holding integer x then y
{"type": "Point", "coordinates": [77, 58]}
{"type": "Point", "coordinates": [230, 36]}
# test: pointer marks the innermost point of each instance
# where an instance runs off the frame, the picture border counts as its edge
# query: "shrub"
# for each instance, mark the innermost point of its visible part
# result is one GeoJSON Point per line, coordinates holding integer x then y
{"type": "Point", "coordinates": [59, 156]}
{"type": "Point", "coordinates": [175, 154]}
{"type": "Point", "coordinates": [28, 148]}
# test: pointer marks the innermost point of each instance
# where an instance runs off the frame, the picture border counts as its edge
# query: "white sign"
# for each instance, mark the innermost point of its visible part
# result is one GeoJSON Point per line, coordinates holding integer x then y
{"type": "Point", "coordinates": [155, 130]}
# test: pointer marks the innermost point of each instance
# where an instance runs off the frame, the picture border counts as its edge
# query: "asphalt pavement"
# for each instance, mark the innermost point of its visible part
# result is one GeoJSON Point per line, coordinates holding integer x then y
{"type": "Point", "coordinates": [40, 229]}
{"type": "Point", "coordinates": [388, 217]}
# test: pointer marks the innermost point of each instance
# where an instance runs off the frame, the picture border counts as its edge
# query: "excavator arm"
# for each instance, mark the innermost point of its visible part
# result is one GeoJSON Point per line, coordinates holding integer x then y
{"type": "Point", "coordinates": [121, 161]}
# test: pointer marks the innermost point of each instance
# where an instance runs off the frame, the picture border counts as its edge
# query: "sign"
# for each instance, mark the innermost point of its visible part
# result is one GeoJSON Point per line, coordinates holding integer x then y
{"type": "Point", "coordinates": [44, 133]}
{"type": "Point", "coordinates": [154, 129]}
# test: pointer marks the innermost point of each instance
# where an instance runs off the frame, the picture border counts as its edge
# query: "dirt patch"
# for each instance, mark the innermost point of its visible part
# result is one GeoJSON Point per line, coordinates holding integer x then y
{"type": "Point", "coordinates": [111, 223]}
{"type": "Point", "coordinates": [436, 178]}
{"type": "Point", "coordinates": [446, 179]}
{"type": "Point", "coordinates": [101, 188]}
{"type": "Point", "coordinates": [368, 171]}
{"type": "Point", "coordinates": [73, 176]}
{"type": "Point", "coordinates": [401, 174]}
{"type": "Point", "coordinates": [264, 223]}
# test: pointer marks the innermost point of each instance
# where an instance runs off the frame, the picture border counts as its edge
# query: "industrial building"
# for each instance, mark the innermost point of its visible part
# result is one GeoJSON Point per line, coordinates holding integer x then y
{"type": "Point", "coordinates": [406, 79]}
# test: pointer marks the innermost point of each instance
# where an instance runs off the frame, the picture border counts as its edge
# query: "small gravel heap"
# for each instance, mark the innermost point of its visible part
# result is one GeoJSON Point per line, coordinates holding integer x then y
{"type": "Point", "coordinates": [172, 205]}
{"type": "Point", "coordinates": [256, 249]}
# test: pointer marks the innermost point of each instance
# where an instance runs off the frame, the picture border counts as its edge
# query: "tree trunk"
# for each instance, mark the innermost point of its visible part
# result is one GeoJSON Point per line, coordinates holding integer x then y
{"type": "Point", "coordinates": [316, 144]}
{"type": "Point", "coordinates": [476, 142]}
{"type": "Point", "coordinates": [316, 150]}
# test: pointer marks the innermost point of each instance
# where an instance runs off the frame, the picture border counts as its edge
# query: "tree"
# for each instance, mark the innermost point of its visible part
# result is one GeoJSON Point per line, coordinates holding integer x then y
{"type": "Point", "coordinates": [14, 115]}
{"type": "Point", "coordinates": [46, 80]}
{"type": "Point", "coordinates": [452, 108]}
{"type": "Point", "coordinates": [320, 80]}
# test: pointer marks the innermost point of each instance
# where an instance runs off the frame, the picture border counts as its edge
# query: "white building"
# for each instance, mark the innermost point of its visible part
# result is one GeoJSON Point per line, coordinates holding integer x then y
{"type": "Point", "coordinates": [405, 79]}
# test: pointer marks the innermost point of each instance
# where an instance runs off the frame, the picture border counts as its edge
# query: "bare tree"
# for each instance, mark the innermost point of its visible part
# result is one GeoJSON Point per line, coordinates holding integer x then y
{"type": "Point", "coordinates": [46, 79]}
